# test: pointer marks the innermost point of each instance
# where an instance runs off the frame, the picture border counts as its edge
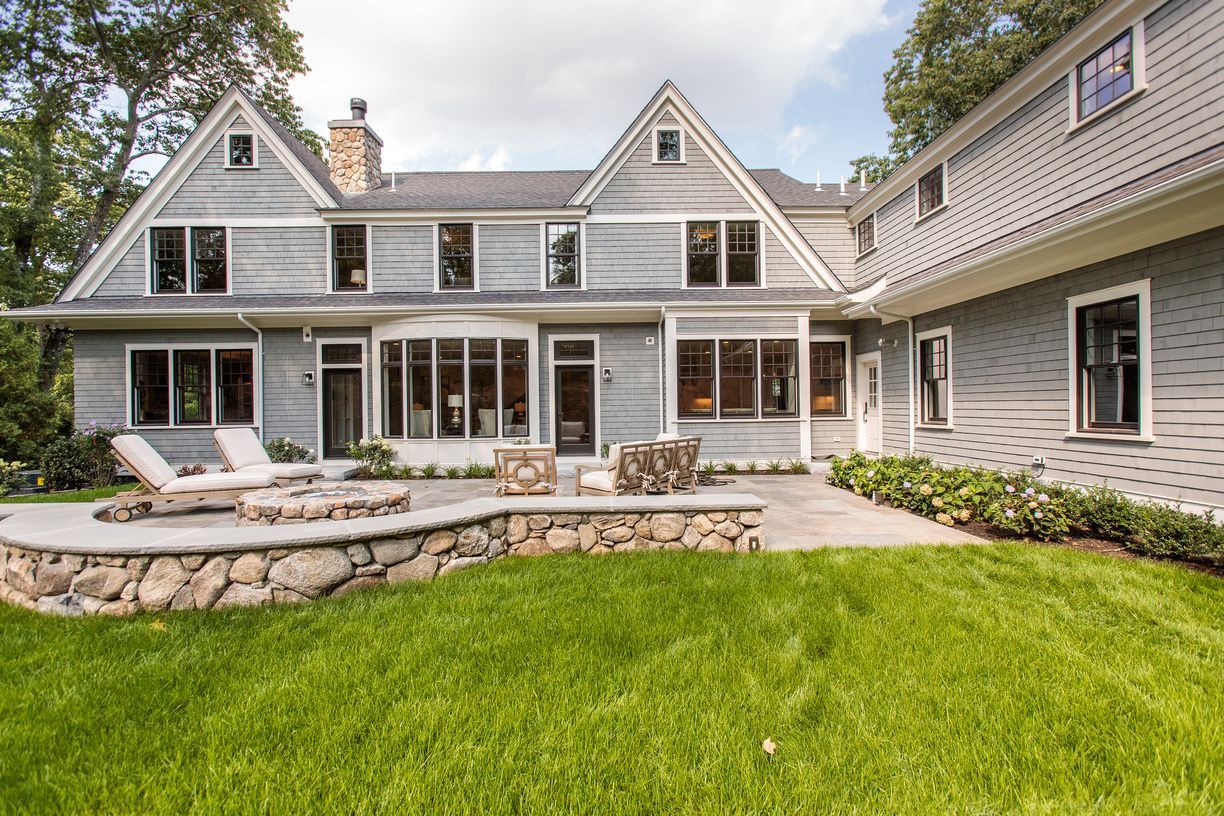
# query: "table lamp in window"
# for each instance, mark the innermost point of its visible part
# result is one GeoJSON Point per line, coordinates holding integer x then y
{"type": "Point", "coordinates": [455, 401]}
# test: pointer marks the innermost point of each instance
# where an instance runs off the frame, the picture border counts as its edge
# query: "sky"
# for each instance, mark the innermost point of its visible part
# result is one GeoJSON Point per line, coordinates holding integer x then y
{"type": "Point", "coordinates": [544, 85]}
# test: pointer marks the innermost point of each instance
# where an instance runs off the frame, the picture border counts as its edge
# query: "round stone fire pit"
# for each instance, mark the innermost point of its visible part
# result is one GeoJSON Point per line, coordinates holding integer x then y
{"type": "Point", "coordinates": [321, 501]}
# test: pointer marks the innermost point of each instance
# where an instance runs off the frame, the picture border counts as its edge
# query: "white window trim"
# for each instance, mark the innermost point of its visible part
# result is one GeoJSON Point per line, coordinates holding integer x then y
{"type": "Point", "coordinates": [597, 380]}
{"type": "Point", "coordinates": [1075, 430]}
{"type": "Point", "coordinates": [947, 199]}
{"type": "Point", "coordinates": [189, 284]}
{"type": "Point", "coordinates": [943, 331]}
{"type": "Point", "coordinates": [437, 257]}
{"type": "Point", "coordinates": [365, 388]}
{"type": "Point", "coordinates": [654, 145]}
{"type": "Point", "coordinates": [582, 278]}
{"type": "Point", "coordinates": [757, 337]}
{"type": "Point", "coordinates": [1138, 79]}
{"type": "Point", "coordinates": [723, 258]}
{"type": "Point", "coordinates": [254, 149]}
{"type": "Point", "coordinates": [212, 348]}
{"type": "Point", "coordinates": [848, 397]}
{"type": "Point", "coordinates": [875, 235]}
{"type": "Point", "coordinates": [331, 262]}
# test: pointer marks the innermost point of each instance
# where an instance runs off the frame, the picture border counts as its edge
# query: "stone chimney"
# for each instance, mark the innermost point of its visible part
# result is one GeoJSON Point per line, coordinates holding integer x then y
{"type": "Point", "coordinates": [355, 152]}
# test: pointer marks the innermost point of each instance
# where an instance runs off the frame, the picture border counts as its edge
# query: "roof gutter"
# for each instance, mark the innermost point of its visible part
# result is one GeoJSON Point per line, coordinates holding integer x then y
{"type": "Point", "coordinates": [909, 322]}
{"type": "Point", "coordinates": [259, 347]}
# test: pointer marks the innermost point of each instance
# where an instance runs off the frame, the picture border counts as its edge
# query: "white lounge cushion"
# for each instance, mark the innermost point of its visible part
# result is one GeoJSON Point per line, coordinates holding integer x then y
{"type": "Point", "coordinates": [219, 482]}
{"type": "Point", "coordinates": [296, 470]}
{"type": "Point", "coordinates": [240, 447]}
{"type": "Point", "coordinates": [597, 480]}
{"type": "Point", "coordinates": [140, 457]}
{"type": "Point", "coordinates": [663, 437]}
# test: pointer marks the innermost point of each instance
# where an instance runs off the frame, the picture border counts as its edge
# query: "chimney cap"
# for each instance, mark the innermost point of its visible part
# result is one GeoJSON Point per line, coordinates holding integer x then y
{"type": "Point", "coordinates": [358, 106]}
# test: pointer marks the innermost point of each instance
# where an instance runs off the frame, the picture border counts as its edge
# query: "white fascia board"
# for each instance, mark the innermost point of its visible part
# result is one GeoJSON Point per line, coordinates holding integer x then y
{"type": "Point", "coordinates": [480, 216]}
{"type": "Point", "coordinates": [171, 177]}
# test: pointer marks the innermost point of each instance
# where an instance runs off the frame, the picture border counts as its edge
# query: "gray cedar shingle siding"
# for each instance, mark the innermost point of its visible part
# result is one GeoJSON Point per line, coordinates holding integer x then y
{"type": "Point", "coordinates": [633, 256]}
{"type": "Point", "coordinates": [212, 190]}
{"type": "Point", "coordinates": [745, 441]}
{"type": "Point", "coordinates": [1009, 362]}
{"type": "Point", "coordinates": [271, 260]}
{"type": "Point", "coordinates": [629, 405]}
{"type": "Point", "coordinates": [734, 324]}
{"type": "Point", "coordinates": [128, 276]}
{"type": "Point", "coordinates": [402, 258]}
{"type": "Point", "coordinates": [781, 268]}
{"type": "Point", "coordinates": [290, 408]}
{"type": "Point", "coordinates": [991, 192]}
{"type": "Point", "coordinates": [509, 257]}
{"type": "Point", "coordinates": [642, 186]}
{"type": "Point", "coordinates": [835, 244]}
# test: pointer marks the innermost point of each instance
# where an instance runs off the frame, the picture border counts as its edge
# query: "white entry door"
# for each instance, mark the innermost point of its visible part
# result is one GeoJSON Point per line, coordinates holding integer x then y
{"type": "Point", "coordinates": [869, 403]}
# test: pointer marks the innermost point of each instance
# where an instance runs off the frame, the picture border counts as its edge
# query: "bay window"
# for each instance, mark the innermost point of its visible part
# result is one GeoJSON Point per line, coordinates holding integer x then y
{"type": "Point", "coordinates": [514, 388]}
{"type": "Point", "coordinates": [482, 388]}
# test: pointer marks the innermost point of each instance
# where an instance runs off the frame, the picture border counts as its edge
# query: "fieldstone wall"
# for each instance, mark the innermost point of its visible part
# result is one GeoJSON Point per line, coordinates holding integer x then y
{"type": "Point", "coordinates": [355, 157]}
{"type": "Point", "coordinates": [71, 584]}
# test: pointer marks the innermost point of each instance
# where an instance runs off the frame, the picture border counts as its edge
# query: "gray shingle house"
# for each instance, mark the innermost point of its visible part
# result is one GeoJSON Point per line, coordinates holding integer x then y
{"type": "Point", "coordinates": [1042, 284]}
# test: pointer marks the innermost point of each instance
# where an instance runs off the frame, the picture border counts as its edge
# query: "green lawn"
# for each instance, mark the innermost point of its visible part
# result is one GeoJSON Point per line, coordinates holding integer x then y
{"type": "Point", "coordinates": [977, 679]}
{"type": "Point", "coordinates": [69, 496]}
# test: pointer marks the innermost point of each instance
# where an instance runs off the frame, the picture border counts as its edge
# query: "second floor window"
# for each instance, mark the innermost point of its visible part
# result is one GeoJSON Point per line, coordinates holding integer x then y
{"type": "Point", "coordinates": [349, 272]}
{"type": "Point", "coordinates": [703, 254]}
{"type": "Point", "coordinates": [240, 150]}
{"type": "Point", "coordinates": [455, 257]}
{"type": "Point", "coordinates": [1105, 76]}
{"type": "Point", "coordinates": [188, 261]}
{"type": "Point", "coordinates": [667, 145]}
{"type": "Point", "coordinates": [865, 233]}
{"type": "Point", "coordinates": [931, 191]}
{"type": "Point", "coordinates": [563, 271]}
{"type": "Point", "coordinates": [742, 263]}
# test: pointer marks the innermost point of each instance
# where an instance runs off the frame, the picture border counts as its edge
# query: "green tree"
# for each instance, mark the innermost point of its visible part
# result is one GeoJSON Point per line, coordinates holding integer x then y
{"type": "Point", "coordinates": [956, 53]}
{"type": "Point", "coordinates": [90, 87]}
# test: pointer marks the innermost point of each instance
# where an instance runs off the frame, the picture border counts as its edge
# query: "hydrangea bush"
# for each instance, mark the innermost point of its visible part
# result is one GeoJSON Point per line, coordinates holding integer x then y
{"type": "Point", "coordinates": [286, 451]}
{"type": "Point", "coordinates": [10, 476]}
{"type": "Point", "coordinates": [374, 458]}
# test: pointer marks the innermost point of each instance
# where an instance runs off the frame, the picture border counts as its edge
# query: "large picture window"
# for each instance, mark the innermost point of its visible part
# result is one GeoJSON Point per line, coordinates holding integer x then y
{"type": "Point", "coordinates": [192, 386]}
{"type": "Point", "coordinates": [779, 378]}
{"type": "Point", "coordinates": [563, 256]}
{"type": "Point", "coordinates": [481, 388]}
{"type": "Point", "coordinates": [350, 267]}
{"type": "Point", "coordinates": [828, 373]}
{"type": "Point", "coordinates": [933, 355]}
{"type": "Point", "coordinates": [456, 252]}
{"type": "Point", "coordinates": [1106, 76]}
{"type": "Point", "coordinates": [1109, 365]}
{"type": "Point", "coordinates": [695, 369]}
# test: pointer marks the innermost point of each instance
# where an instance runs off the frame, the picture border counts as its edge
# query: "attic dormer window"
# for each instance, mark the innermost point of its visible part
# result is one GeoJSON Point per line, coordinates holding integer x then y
{"type": "Point", "coordinates": [240, 150]}
{"type": "Point", "coordinates": [669, 145]}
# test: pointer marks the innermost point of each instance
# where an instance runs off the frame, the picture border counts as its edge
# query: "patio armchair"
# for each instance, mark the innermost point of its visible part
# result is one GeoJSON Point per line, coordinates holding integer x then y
{"type": "Point", "coordinates": [242, 452]}
{"type": "Point", "coordinates": [667, 463]}
{"type": "Point", "coordinates": [158, 482]}
{"type": "Point", "coordinates": [526, 471]}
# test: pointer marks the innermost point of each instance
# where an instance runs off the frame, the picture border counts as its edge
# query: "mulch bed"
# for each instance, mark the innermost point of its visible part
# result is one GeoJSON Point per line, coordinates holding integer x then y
{"type": "Point", "coordinates": [1093, 545]}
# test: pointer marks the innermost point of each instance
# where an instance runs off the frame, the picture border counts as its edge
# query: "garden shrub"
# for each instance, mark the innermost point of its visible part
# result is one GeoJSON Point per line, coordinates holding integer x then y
{"type": "Point", "coordinates": [373, 458]}
{"type": "Point", "coordinates": [192, 470]}
{"type": "Point", "coordinates": [1029, 512]}
{"type": "Point", "coordinates": [1168, 531]}
{"type": "Point", "coordinates": [1102, 512]}
{"type": "Point", "coordinates": [11, 479]}
{"type": "Point", "coordinates": [286, 451]}
{"type": "Point", "coordinates": [81, 460]}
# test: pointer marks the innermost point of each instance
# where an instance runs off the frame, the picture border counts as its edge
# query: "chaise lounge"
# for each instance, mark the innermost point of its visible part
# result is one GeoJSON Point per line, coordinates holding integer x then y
{"type": "Point", "coordinates": [158, 482]}
{"type": "Point", "coordinates": [242, 452]}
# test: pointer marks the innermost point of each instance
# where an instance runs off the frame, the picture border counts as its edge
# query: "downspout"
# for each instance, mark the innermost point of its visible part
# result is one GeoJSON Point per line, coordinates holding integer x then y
{"type": "Point", "coordinates": [662, 380]}
{"type": "Point", "coordinates": [909, 322]}
{"type": "Point", "coordinates": [260, 353]}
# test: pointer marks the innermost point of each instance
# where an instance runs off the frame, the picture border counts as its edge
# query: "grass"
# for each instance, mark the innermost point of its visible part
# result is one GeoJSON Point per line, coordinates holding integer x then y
{"type": "Point", "coordinates": [68, 496]}
{"type": "Point", "coordinates": [973, 679]}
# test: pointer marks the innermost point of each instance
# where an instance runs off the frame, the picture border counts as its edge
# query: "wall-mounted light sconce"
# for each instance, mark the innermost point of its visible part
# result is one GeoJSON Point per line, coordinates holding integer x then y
{"type": "Point", "coordinates": [607, 375]}
{"type": "Point", "coordinates": [306, 334]}
{"type": "Point", "coordinates": [308, 378]}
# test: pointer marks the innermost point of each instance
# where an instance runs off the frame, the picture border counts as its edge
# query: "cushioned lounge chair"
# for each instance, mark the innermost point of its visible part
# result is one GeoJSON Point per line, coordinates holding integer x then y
{"type": "Point", "coordinates": [158, 482]}
{"type": "Point", "coordinates": [242, 452]}
{"type": "Point", "coordinates": [669, 463]}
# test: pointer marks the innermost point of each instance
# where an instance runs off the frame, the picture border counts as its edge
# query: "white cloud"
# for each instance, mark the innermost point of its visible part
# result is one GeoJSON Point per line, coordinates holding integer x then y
{"type": "Point", "coordinates": [499, 159]}
{"type": "Point", "coordinates": [553, 84]}
{"type": "Point", "coordinates": [799, 140]}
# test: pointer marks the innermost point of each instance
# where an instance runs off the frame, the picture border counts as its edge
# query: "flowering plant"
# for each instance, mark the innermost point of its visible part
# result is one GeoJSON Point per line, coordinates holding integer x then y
{"type": "Point", "coordinates": [10, 476]}
{"type": "Point", "coordinates": [287, 451]}
{"type": "Point", "coordinates": [373, 458]}
{"type": "Point", "coordinates": [1029, 513]}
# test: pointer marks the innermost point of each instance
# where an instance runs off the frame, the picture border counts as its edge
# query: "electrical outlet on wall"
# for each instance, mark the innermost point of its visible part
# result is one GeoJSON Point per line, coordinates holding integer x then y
{"type": "Point", "coordinates": [837, 439]}
{"type": "Point", "coordinates": [650, 341]}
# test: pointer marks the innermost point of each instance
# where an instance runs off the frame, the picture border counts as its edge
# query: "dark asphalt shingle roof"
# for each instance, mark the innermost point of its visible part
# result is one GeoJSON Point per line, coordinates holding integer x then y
{"type": "Point", "coordinates": [477, 190]}
{"type": "Point", "coordinates": [787, 191]}
{"type": "Point", "coordinates": [254, 303]}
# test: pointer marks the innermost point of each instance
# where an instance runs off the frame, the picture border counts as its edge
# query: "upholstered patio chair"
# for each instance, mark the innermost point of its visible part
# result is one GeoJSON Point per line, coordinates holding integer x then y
{"type": "Point", "coordinates": [159, 483]}
{"type": "Point", "coordinates": [242, 452]}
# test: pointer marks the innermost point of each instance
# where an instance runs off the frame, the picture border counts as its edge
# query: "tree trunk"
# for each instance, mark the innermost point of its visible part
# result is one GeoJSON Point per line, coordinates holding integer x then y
{"type": "Point", "coordinates": [53, 342]}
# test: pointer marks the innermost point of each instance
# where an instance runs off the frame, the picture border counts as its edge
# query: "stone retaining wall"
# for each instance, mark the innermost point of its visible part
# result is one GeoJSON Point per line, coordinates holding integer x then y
{"type": "Point", "coordinates": [113, 584]}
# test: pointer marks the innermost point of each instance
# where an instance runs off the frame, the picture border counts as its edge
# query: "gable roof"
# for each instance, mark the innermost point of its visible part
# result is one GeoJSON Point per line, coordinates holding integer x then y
{"type": "Point", "coordinates": [315, 166]}
{"type": "Point", "coordinates": [668, 99]}
{"type": "Point", "coordinates": [291, 153]}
